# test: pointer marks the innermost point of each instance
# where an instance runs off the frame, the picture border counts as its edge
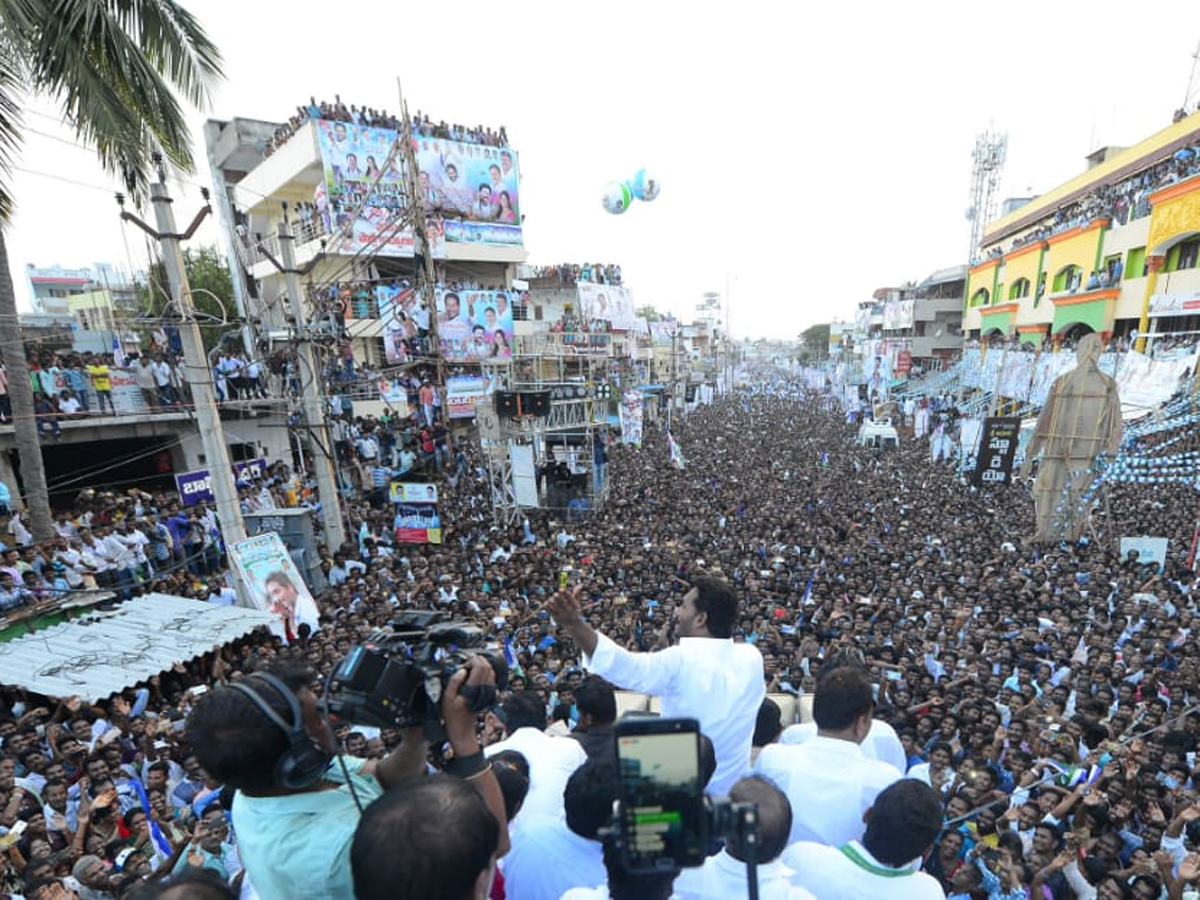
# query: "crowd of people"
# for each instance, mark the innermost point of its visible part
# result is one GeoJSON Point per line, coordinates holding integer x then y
{"type": "Point", "coordinates": [422, 124]}
{"type": "Point", "coordinates": [1011, 720]}
{"type": "Point", "coordinates": [570, 274]}
{"type": "Point", "coordinates": [1124, 201]}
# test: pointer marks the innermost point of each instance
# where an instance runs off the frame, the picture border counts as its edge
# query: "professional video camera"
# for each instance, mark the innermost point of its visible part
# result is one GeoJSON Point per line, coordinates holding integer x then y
{"type": "Point", "coordinates": [396, 679]}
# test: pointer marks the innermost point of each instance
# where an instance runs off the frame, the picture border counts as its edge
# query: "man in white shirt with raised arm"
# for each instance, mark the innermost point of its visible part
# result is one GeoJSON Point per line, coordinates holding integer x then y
{"type": "Point", "coordinates": [900, 830]}
{"type": "Point", "coordinates": [830, 782]}
{"type": "Point", "coordinates": [706, 676]}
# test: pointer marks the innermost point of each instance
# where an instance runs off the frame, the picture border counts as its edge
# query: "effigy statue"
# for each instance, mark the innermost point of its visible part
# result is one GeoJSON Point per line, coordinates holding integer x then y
{"type": "Point", "coordinates": [1081, 419]}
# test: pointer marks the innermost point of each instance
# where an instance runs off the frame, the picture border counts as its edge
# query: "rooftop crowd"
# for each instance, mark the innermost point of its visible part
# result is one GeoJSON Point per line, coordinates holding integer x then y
{"type": "Point", "coordinates": [422, 124]}
{"type": "Point", "coordinates": [569, 274]}
{"type": "Point", "coordinates": [1124, 201]}
{"type": "Point", "coordinates": [1040, 700]}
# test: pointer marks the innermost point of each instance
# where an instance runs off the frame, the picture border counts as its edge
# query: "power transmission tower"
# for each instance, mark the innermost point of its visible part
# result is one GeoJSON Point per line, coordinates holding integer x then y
{"type": "Point", "coordinates": [197, 372]}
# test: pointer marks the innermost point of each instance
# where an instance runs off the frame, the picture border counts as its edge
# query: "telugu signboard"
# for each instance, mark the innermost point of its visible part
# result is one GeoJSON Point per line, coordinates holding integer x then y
{"type": "Point", "coordinates": [196, 485]}
{"type": "Point", "coordinates": [997, 449]}
{"type": "Point", "coordinates": [1186, 303]}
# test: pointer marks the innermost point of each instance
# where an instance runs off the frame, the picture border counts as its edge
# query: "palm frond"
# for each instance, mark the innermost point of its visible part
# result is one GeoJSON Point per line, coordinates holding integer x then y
{"type": "Point", "coordinates": [115, 66]}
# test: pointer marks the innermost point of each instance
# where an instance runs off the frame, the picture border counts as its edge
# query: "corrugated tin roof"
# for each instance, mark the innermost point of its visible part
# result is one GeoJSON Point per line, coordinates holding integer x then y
{"type": "Point", "coordinates": [103, 652]}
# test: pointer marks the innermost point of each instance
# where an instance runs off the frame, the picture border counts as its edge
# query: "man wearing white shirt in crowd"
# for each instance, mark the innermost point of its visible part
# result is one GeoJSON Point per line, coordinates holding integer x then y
{"type": "Point", "coordinates": [900, 830]}
{"type": "Point", "coordinates": [63, 526]}
{"type": "Point", "coordinates": [22, 535]}
{"type": "Point", "coordinates": [881, 742]}
{"type": "Point", "coordinates": [706, 676]}
{"type": "Point", "coordinates": [938, 772]}
{"type": "Point", "coordinates": [551, 759]}
{"type": "Point", "coordinates": [830, 782]}
{"type": "Point", "coordinates": [162, 380]}
{"type": "Point", "coordinates": [552, 854]}
{"type": "Point", "coordinates": [724, 875]}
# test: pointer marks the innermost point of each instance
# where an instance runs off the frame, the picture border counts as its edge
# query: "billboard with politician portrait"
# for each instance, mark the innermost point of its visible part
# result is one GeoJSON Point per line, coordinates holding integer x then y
{"type": "Point", "coordinates": [470, 192]}
{"type": "Point", "coordinates": [474, 188]}
{"type": "Point", "coordinates": [417, 520]}
{"type": "Point", "coordinates": [274, 584]}
{"type": "Point", "coordinates": [611, 303]}
{"type": "Point", "coordinates": [475, 325]}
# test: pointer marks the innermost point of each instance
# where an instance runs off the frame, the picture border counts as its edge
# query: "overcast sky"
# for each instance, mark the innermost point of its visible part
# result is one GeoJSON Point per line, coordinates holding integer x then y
{"type": "Point", "coordinates": [809, 153]}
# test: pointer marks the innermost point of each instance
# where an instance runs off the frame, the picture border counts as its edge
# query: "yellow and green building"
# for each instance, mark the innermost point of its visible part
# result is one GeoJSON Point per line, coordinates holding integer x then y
{"type": "Point", "coordinates": [1041, 277]}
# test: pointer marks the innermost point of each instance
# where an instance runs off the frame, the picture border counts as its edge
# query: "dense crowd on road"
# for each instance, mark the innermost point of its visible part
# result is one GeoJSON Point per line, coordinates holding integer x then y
{"type": "Point", "coordinates": [1046, 695]}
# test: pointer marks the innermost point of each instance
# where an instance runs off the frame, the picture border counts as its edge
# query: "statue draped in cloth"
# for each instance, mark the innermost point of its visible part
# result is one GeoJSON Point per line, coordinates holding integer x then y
{"type": "Point", "coordinates": [1081, 419]}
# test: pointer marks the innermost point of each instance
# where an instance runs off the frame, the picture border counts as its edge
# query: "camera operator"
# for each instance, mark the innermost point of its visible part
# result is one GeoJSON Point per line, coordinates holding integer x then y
{"type": "Point", "coordinates": [706, 676]}
{"type": "Point", "coordinates": [295, 814]}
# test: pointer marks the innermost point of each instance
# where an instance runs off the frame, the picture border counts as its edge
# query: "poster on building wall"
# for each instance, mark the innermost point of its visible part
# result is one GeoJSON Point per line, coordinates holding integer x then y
{"type": "Point", "coordinates": [463, 392]}
{"type": "Point", "coordinates": [611, 303]}
{"type": "Point", "coordinates": [898, 315]}
{"type": "Point", "coordinates": [471, 192]}
{"type": "Point", "coordinates": [474, 325]}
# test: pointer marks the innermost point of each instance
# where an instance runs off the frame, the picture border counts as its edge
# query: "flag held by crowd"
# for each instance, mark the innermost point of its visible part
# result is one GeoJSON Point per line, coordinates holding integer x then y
{"type": "Point", "coordinates": [677, 459]}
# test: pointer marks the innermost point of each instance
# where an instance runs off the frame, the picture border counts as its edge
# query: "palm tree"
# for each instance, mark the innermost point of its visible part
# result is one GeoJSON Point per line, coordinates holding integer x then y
{"type": "Point", "coordinates": [118, 69]}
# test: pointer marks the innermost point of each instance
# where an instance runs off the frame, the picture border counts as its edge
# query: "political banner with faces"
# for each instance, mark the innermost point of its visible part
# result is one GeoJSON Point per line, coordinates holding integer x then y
{"type": "Point", "coordinates": [274, 584]}
{"type": "Point", "coordinates": [611, 303]}
{"type": "Point", "coordinates": [474, 325]}
{"type": "Point", "coordinates": [469, 191]}
{"type": "Point", "coordinates": [474, 188]}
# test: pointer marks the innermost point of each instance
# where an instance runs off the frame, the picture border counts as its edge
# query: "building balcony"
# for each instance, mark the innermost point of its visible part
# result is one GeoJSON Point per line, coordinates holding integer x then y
{"type": "Point", "coordinates": [291, 173]}
{"type": "Point", "coordinates": [931, 309]}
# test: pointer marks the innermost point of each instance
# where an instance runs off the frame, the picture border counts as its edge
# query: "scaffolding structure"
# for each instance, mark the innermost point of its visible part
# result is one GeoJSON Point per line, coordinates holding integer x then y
{"type": "Point", "coordinates": [545, 462]}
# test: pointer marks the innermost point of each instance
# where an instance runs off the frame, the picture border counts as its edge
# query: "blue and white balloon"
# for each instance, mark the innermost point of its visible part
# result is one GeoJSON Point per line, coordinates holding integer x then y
{"type": "Point", "coordinates": [616, 197]}
{"type": "Point", "coordinates": [645, 186]}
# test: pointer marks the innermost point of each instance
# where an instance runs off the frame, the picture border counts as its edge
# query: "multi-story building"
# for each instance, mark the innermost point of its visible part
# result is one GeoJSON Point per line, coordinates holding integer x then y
{"type": "Point", "coordinates": [1114, 250]}
{"type": "Point", "coordinates": [916, 325]}
{"type": "Point", "coordinates": [340, 187]}
{"type": "Point", "coordinates": [81, 309]}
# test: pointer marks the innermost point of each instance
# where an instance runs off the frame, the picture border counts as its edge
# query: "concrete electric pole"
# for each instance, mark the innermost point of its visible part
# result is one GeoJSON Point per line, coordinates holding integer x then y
{"type": "Point", "coordinates": [197, 372]}
{"type": "Point", "coordinates": [320, 446]}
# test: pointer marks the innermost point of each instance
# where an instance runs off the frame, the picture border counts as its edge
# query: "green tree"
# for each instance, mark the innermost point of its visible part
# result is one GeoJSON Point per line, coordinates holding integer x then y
{"type": "Point", "coordinates": [119, 70]}
{"type": "Point", "coordinates": [649, 313]}
{"type": "Point", "coordinates": [814, 342]}
{"type": "Point", "coordinates": [212, 293]}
